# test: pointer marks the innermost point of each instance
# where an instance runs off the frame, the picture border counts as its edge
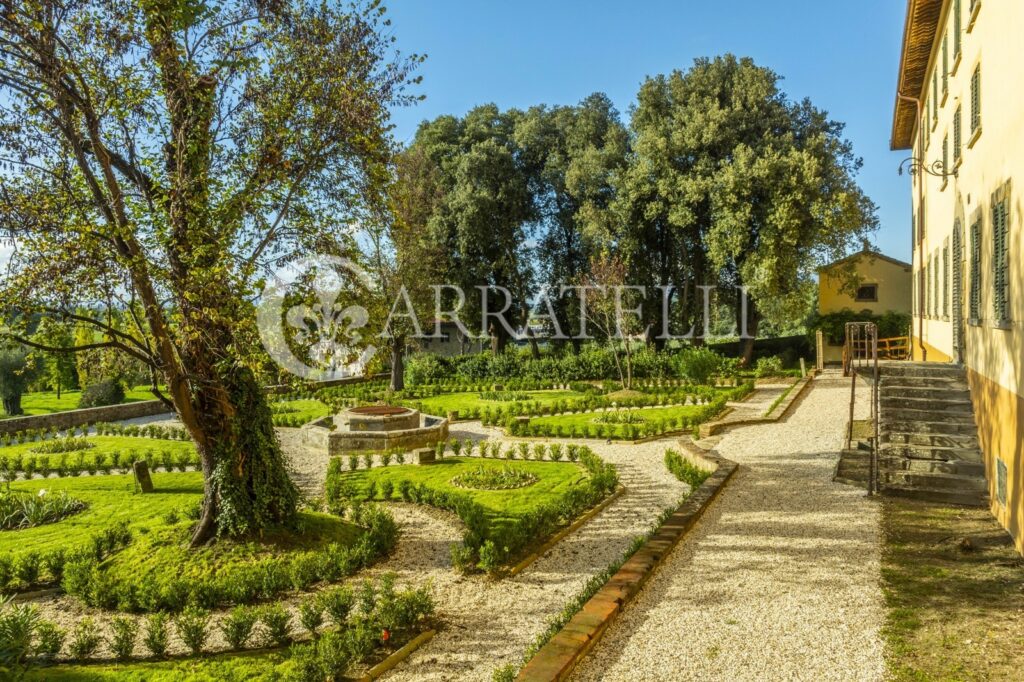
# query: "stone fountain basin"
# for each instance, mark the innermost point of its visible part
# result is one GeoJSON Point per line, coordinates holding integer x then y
{"type": "Point", "coordinates": [375, 428]}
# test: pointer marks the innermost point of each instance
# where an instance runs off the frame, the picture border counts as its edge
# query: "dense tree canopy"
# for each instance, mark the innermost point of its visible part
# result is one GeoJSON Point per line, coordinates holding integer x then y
{"type": "Point", "coordinates": [158, 157]}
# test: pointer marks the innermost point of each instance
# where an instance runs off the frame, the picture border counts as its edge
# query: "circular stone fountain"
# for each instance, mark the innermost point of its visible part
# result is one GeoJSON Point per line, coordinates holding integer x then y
{"type": "Point", "coordinates": [375, 428]}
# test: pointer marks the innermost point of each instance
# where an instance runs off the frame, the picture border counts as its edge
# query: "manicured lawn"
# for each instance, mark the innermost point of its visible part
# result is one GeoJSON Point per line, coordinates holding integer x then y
{"type": "Point", "coordinates": [46, 402]}
{"type": "Point", "coordinates": [441, 405]}
{"type": "Point", "coordinates": [110, 499]}
{"type": "Point", "coordinates": [953, 607]}
{"type": "Point", "coordinates": [586, 420]}
{"type": "Point", "coordinates": [297, 412]}
{"type": "Point", "coordinates": [225, 667]}
{"type": "Point", "coordinates": [502, 507]}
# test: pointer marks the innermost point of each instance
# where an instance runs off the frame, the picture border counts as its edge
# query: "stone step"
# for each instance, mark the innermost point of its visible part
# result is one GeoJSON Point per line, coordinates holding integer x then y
{"type": "Point", "coordinates": [925, 392]}
{"type": "Point", "coordinates": [933, 439]}
{"type": "Point", "coordinates": [964, 499]}
{"type": "Point", "coordinates": [924, 382]}
{"type": "Point", "coordinates": [931, 452]}
{"type": "Point", "coordinates": [922, 369]}
{"type": "Point", "coordinates": [932, 480]}
{"type": "Point", "coordinates": [951, 403]}
{"type": "Point", "coordinates": [951, 427]}
{"type": "Point", "coordinates": [957, 467]}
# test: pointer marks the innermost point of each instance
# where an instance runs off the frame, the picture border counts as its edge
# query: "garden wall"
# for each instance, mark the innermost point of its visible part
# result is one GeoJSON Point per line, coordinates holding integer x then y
{"type": "Point", "coordinates": [114, 413]}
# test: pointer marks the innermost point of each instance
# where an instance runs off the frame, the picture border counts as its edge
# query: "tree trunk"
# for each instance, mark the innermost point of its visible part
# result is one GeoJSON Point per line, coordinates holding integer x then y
{"type": "Point", "coordinates": [398, 363]}
{"type": "Point", "coordinates": [747, 344]}
{"type": "Point", "coordinates": [246, 483]}
{"type": "Point", "coordinates": [12, 406]}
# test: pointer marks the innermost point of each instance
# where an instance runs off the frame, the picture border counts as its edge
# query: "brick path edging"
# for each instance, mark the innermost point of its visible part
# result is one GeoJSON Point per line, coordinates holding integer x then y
{"type": "Point", "coordinates": [556, 659]}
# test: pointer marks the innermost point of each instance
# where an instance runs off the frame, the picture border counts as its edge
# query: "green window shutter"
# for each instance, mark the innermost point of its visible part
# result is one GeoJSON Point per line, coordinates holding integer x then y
{"type": "Point", "coordinates": [957, 134]}
{"type": "Point", "coordinates": [958, 22]}
{"type": "Point", "coordinates": [975, 297]}
{"type": "Point", "coordinates": [957, 267]}
{"type": "Point", "coordinates": [935, 97]}
{"type": "Point", "coordinates": [945, 280]}
{"type": "Point", "coordinates": [1000, 264]}
{"type": "Point", "coordinates": [945, 65]}
{"type": "Point", "coordinates": [945, 153]}
{"type": "Point", "coordinates": [976, 100]}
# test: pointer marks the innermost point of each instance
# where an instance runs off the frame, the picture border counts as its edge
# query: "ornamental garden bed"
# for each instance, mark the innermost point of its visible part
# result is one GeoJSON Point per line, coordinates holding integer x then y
{"type": "Point", "coordinates": [46, 402]}
{"type": "Point", "coordinates": [502, 523]}
{"type": "Point", "coordinates": [65, 456]}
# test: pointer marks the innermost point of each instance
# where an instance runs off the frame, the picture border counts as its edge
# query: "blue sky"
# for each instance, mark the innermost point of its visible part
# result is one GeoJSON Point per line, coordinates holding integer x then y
{"type": "Point", "coordinates": [516, 53]}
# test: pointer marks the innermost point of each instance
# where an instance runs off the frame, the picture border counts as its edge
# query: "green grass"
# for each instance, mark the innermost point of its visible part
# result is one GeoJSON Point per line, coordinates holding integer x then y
{"type": "Point", "coordinates": [224, 667]}
{"type": "Point", "coordinates": [106, 445]}
{"type": "Point", "coordinates": [110, 499]}
{"type": "Point", "coordinates": [441, 405]}
{"type": "Point", "coordinates": [953, 607]}
{"type": "Point", "coordinates": [500, 506]}
{"type": "Point", "coordinates": [581, 421]}
{"type": "Point", "coordinates": [303, 411]}
{"type": "Point", "coordinates": [46, 402]}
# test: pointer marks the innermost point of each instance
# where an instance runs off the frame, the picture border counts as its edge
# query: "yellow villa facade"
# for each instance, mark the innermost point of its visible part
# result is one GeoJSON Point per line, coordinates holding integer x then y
{"type": "Point", "coordinates": [866, 282]}
{"type": "Point", "coordinates": [960, 111]}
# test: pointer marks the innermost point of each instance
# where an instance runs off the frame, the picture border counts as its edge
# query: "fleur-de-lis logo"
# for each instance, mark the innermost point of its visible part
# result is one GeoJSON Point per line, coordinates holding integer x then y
{"type": "Point", "coordinates": [318, 337]}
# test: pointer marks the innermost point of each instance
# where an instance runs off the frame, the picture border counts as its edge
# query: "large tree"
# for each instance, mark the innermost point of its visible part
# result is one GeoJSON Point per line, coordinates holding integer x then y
{"type": "Point", "coordinates": [571, 154]}
{"type": "Point", "coordinates": [733, 183]}
{"type": "Point", "coordinates": [485, 211]}
{"type": "Point", "coordinates": [164, 154]}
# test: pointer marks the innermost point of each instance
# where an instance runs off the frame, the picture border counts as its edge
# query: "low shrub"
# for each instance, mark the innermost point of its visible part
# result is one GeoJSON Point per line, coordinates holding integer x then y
{"type": "Point", "coordinates": [108, 392]}
{"type": "Point", "coordinates": [311, 615]}
{"type": "Point", "coordinates": [85, 639]}
{"type": "Point", "coordinates": [237, 626]}
{"type": "Point", "coordinates": [124, 631]}
{"type": "Point", "coordinates": [191, 625]}
{"type": "Point", "coordinates": [684, 470]}
{"type": "Point", "coordinates": [25, 510]}
{"type": "Point", "coordinates": [156, 636]}
{"type": "Point", "coordinates": [276, 621]}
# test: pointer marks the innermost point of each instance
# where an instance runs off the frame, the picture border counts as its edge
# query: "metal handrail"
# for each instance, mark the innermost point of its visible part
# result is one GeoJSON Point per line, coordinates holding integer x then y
{"type": "Point", "coordinates": [860, 358]}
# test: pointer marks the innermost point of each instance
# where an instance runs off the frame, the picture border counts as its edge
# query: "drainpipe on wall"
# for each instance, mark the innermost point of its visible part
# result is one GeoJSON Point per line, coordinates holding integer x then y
{"type": "Point", "coordinates": [913, 247]}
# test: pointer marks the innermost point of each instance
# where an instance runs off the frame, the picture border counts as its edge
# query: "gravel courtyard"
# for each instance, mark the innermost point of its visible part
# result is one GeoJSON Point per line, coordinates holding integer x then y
{"type": "Point", "coordinates": [778, 582]}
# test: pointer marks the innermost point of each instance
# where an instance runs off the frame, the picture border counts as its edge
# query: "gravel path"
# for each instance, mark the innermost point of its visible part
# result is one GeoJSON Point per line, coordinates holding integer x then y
{"type": "Point", "coordinates": [490, 623]}
{"type": "Point", "coordinates": [778, 582]}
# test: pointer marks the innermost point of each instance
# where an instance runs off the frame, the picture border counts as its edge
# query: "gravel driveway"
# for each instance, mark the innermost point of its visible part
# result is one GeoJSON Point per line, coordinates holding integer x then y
{"type": "Point", "coordinates": [778, 582]}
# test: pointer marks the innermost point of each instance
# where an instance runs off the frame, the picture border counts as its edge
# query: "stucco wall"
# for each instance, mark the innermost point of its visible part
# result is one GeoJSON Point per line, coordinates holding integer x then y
{"type": "Point", "coordinates": [893, 282]}
{"type": "Point", "coordinates": [990, 162]}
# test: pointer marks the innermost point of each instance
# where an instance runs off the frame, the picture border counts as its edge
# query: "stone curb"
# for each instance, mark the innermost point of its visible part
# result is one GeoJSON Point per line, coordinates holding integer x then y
{"type": "Point", "coordinates": [557, 659]}
{"type": "Point", "coordinates": [561, 535]}
{"type": "Point", "coordinates": [394, 659]}
{"type": "Point", "coordinates": [715, 428]}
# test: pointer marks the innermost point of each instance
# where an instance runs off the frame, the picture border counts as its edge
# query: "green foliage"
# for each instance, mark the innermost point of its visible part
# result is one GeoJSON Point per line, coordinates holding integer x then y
{"type": "Point", "coordinates": [16, 371]}
{"type": "Point", "coordinates": [509, 520]}
{"type": "Point", "coordinates": [18, 625]}
{"type": "Point", "coordinates": [237, 626]}
{"type": "Point", "coordinates": [156, 636]}
{"type": "Point", "coordinates": [684, 470]}
{"type": "Point", "coordinates": [487, 477]}
{"type": "Point", "coordinates": [277, 624]}
{"type": "Point", "coordinates": [770, 366]}
{"type": "Point", "coordinates": [85, 638]}
{"type": "Point", "coordinates": [311, 615]}
{"type": "Point", "coordinates": [833, 325]}
{"type": "Point", "coordinates": [191, 625]}
{"type": "Point", "coordinates": [107, 392]}
{"type": "Point", "coordinates": [23, 510]}
{"type": "Point", "coordinates": [124, 631]}
{"type": "Point", "coordinates": [698, 364]}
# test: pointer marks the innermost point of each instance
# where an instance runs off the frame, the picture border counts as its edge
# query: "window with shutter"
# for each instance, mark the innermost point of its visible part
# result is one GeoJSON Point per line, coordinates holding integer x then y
{"type": "Point", "coordinates": [945, 280]}
{"type": "Point", "coordinates": [958, 15]}
{"type": "Point", "coordinates": [945, 67]}
{"type": "Point", "coordinates": [1000, 262]}
{"type": "Point", "coordinates": [945, 159]}
{"type": "Point", "coordinates": [957, 134]}
{"type": "Point", "coordinates": [928, 289]}
{"type": "Point", "coordinates": [976, 100]}
{"type": "Point", "coordinates": [935, 97]}
{"type": "Point", "coordinates": [974, 302]}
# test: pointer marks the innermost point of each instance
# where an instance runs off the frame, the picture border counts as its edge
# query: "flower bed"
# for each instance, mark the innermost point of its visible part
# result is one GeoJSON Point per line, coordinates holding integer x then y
{"type": "Point", "coordinates": [494, 478]}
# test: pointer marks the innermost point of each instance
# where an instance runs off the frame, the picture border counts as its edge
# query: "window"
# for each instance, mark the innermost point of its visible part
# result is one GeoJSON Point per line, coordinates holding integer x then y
{"type": "Point", "coordinates": [935, 98]}
{"type": "Point", "coordinates": [929, 298]}
{"type": "Point", "coordinates": [945, 67]}
{"type": "Point", "coordinates": [936, 282]}
{"type": "Point", "coordinates": [958, 21]}
{"type": "Point", "coordinates": [957, 135]}
{"type": "Point", "coordinates": [945, 280]}
{"type": "Point", "coordinates": [976, 101]}
{"type": "Point", "coordinates": [867, 293]}
{"type": "Point", "coordinates": [975, 296]}
{"type": "Point", "coordinates": [1000, 262]}
{"type": "Point", "coordinates": [945, 159]}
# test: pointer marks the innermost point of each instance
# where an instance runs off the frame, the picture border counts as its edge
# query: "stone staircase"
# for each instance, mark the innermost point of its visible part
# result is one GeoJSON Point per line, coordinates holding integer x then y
{"type": "Point", "coordinates": [929, 444]}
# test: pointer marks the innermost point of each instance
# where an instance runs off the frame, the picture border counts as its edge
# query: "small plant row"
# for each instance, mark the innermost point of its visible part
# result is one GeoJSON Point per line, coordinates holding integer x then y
{"type": "Point", "coordinates": [42, 434]}
{"type": "Point", "coordinates": [293, 421]}
{"type": "Point", "coordinates": [468, 448]}
{"type": "Point", "coordinates": [684, 470]}
{"type": "Point", "coordinates": [485, 546]}
{"type": "Point", "coordinates": [41, 569]}
{"type": "Point", "coordinates": [142, 431]}
{"type": "Point", "coordinates": [258, 580]}
{"type": "Point", "coordinates": [79, 463]}
{"type": "Point", "coordinates": [362, 620]}
{"type": "Point", "coordinates": [648, 428]}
